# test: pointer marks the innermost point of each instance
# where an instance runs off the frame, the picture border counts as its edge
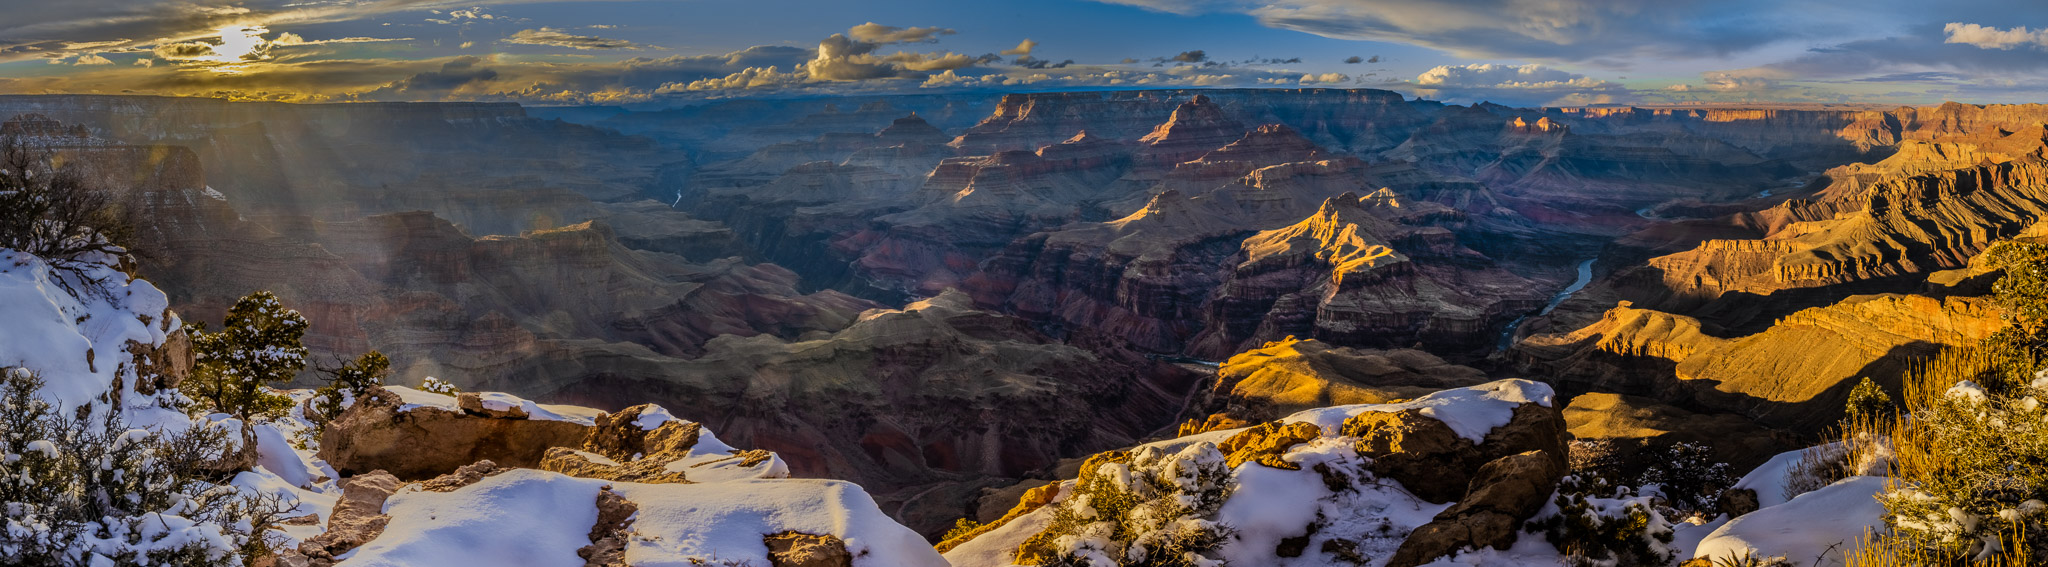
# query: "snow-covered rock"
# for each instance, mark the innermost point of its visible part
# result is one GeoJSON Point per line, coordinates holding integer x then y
{"type": "Point", "coordinates": [1330, 507]}
{"type": "Point", "coordinates": [1817, 528]}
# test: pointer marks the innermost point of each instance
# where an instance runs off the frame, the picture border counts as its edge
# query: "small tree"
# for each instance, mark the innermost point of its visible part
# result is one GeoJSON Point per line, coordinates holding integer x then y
{"type": "Point", "coordinates": [258, 345]}
{"type": "Point", "coordinates": [56, 214]}
{"type": "Point", "coordinates": [347, 383]}
{"type": "Point", "coordinates": [1868, 403]}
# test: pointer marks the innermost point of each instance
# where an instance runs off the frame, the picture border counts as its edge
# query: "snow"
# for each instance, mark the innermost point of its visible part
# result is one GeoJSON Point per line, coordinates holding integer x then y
{"type": "Point", "coordinates": [1823, 525]}
{"type": "Point", "coordinates": [413, 398]}
{"type": "Point", "coordinates": [1471, 411]}
{"type": "Point", "coordinates": [1273, 504]}
{"type": "Point", "coordinates": [1768, 479]}
{"type": "Point", "coordinates": [500, 401]}
{"type": "Point", "coordinates": [76, 342]}
{"type": "Point", "coordinates": [522, 517]}
{"type": "Point", "coordinates": [539, 519]}
{"type": "Point", "coordinates": [726, 520]}
{"type": "Point", "coordinates": [274, 453]}
{"type": "Point", "coordinates": [652, 418]}
{"type": "Point", "coordinates": [711, 460]}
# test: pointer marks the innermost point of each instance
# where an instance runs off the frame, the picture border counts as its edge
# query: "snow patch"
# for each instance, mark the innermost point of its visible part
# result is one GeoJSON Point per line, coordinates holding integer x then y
{"type": "Point", "coordinates": [1471, 412]}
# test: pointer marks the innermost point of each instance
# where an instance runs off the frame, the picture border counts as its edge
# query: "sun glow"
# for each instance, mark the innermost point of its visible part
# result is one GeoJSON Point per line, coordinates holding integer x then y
{"type": "Point", "coordinates": [238, 43]}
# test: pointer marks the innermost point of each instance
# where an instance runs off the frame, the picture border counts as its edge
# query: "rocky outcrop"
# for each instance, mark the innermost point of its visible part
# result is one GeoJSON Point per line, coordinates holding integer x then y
{"type": "Point", "coordinates": [414, 435]}
{"type": "Point", "coordinates": [1433, 461]}
{"type": "Point", "coordinates": [1503, 493]}
{"type": "Point", "coordinates": [1292, 375]}
{"type": "Point", "coordinates": [1796, 374]}
{"type": "Point", "coordinates": [1338, 277]}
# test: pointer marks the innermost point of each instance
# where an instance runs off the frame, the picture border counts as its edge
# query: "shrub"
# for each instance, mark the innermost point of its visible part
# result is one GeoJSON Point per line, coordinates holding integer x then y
{"type": "Point", "coordinates": [1688, 477]}
{"type": "Point", "coordinates": [1970, 454]}
{"type": "Point", "coordinates": [1145, 508]}
{"type": "Point", "coordinates": [258, 345]}
{"type": "Point", "coordinates": [439, 386]}
{"type": "Point", "coordinates": [1868, 403]}
{"type": "Point", "coordinates": [1596, 523]}
{"type": "Point", "coordinates": [56, 214]}
{"type": "Point", "coordinates": [89, 490]}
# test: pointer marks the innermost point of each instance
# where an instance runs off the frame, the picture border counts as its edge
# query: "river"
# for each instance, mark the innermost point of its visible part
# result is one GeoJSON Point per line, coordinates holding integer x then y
{"type": "Point", "coordinates": [1507, 337]}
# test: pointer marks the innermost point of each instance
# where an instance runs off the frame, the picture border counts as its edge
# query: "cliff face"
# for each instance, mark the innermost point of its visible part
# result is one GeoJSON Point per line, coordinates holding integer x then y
{"type": "Point", "coordinates": [1795, 374]}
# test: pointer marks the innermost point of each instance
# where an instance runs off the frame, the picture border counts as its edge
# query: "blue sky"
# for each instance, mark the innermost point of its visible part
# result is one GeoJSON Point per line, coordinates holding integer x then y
{"type": "Point", "coordinates": [1521, 52]}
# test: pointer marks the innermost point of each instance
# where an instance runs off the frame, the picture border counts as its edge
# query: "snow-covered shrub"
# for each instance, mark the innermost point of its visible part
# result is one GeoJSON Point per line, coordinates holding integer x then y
{"type": "Point", "coordinates": [1598, 524]}
{"type": "Point", "coordinates": [1595, 458]}
{"type": "Point", "coordinates": [1978, 476]}
{"type": "Point", "coordinates": [439, 386]}
{"type": "Point", "coordinates": [258, 345]}
{"type": "Point", "coordinates": [1688, 477]}
{"type": "Point", "coordinates": [345, 384]}
{"type": "Point", "coordinates": [1145, 508]}
{"type": "Point", "coordinates": [84, 490]}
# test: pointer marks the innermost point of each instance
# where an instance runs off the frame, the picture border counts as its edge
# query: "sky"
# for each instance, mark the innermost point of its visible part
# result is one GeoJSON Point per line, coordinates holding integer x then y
{"type": "Point", "coordinates": [553, 52]}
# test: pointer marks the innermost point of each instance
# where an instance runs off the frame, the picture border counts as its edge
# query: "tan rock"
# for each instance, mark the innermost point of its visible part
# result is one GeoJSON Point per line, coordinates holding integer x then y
{"type": "Point", "coordinates": [424, 442]}
{"type": "Point", "coordinates": [659, 449]}
{"type": "Point", "coordinates": [794, 549]}
{"type": "Point", "coordinates": [608, 536]}
{"type": "Point", "coordinates": [1503, 494]}
{"type": "Point", "coordinates": [1267, 442]}
{"type": "Point", "coordinates": [1435, 463]}
{"type": "Point", "coordinates": [467, 475]}
{"type": "Point", "coordinates": [357, 518]}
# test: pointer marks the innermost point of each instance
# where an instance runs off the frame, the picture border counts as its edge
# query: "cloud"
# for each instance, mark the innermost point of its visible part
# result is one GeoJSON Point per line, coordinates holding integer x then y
{"type": "Point", "coordinates": [1562, 30]}
{"type": "Point", "coordinates": [1516, 85]}
{"type": "Point", "coordinates": [883, 35]}
{"type": "Point", "coordinates": [145, 62]}
{"type": "Point", "coordinates": [289, 39]}
{"type": "Point", "coordinates": [558, 38]}
{"type": "Point", "coordinates": [1354, 60]}
{"type": "Point", "coordinates": [1022, 49]}
{"type": "Point", "coordinates": [93, 59]}
{"type": "Point", "coordinates": [1493, 76]}
{"type": "Point", "coordinates": [1325, 79]}
{"type": "Point", "coordinates": [1994, 38]}
{"type": "Point", "coordinates": [1029, 62]}
{"type": "Point", "coordinates": [1195, 56]}
{"type": "Point", "coordinates": [454, 75]}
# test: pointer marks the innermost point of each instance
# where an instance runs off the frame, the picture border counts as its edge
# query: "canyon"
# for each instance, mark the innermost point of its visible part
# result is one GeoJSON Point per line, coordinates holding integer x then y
{"type": "Point", "coordinates": [941, 296]}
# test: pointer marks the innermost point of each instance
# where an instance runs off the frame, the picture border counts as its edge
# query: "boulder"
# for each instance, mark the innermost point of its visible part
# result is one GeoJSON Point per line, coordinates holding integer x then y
{"type": "Point", "coordinates": [357, 518]}
{"type": "Point", "coordinates": [1433, 462]}
{"type": "Point", "coordinates": [417, 441]}
{"type": "Point", "coordinates": [1503, 494]}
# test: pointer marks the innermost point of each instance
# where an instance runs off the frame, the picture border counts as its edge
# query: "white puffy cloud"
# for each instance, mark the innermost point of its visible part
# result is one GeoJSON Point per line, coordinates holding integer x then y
{"type": "Point", "coordinates": [93, 59]}
{"type": "Point", "coordinates": [1993, 38]}
{"type": "Point", "coordinates": [1325, 79]}
{"type": "Point", "coordinates": [1496, 76]}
